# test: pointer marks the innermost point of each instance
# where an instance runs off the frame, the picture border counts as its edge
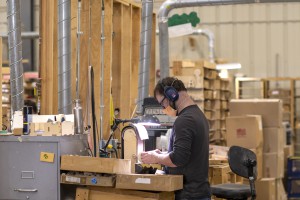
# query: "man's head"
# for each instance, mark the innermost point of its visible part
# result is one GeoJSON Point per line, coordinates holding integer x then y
{"type": "Point", "coordinates": [166, 89]}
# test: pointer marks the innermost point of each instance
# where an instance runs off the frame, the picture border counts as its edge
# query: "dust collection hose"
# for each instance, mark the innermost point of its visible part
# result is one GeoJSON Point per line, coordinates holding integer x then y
{"type": "Point", "coordinates": [15, 54]}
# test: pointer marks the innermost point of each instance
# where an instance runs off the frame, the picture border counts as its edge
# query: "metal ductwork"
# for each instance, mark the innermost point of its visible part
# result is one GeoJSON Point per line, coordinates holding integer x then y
{"type": "Point", "coordinates": [211, 42]}
{"type": "Point", "coordinates": [64, 57]}
{"type": "Point", "coordinates": [169, 5]}
{"type": "Point", "coordinates": [15, 54]}
{"type": "Point", "coordinates": [145, 52]}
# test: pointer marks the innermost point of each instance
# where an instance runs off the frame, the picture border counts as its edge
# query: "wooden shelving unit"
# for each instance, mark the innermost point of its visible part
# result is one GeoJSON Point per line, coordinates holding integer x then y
{"type": "Point", "coordinates": [249, 88]}
{"type": "Point", "coordinates": [209, 91]}
{"type": "Point", "coordinates": [284, 88]}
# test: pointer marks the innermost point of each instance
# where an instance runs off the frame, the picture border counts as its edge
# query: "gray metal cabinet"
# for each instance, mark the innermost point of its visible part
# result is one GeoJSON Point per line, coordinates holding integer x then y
{"type": "Point", "coordinates": [24, 176]}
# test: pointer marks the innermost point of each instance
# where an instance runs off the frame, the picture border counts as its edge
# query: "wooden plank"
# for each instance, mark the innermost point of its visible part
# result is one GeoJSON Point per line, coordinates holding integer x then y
{"type": "Point", "coordinates": [1, 82]}
{"type": "Point", "coordinates": [116, 54]}
{"type": "Point", "coordinates": [54, 45]}
{"type": "Point", "coordinates": [107, 66]}
{"type": "Point", "coordinates": [48, 56]}
{"type": "Point", "coordinates": [135, 55]}
{"type": "Point", "coordinates": [125, 62]}
{"type": "Point", "coordinates": [152, 74]}
{"type": "Point", "coordinates": [84, 51]}
{"type": "Point", "coordinates": [112, 194]}
{"type": "Point", "coordinates": [82, 193]}
{"type": "Point", "coordinates": [74, 5]}
{"type": "Point", "coordinates": [95, 57]}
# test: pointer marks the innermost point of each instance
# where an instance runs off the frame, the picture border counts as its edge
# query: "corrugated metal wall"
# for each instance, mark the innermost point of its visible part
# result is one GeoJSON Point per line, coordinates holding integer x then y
{"type": "Point", "coordinates": [264, 38]}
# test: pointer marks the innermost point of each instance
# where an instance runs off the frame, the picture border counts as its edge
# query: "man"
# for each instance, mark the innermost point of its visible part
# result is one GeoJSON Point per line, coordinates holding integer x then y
{"type": "Point", "coordinates": [188, 152]}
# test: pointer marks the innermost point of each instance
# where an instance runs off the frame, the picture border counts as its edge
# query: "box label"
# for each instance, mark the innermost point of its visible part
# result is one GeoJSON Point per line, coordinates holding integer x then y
{"type": "Point", "coordinates": [241, 132]}
{"type": "Point", "coordinates": [72, 179]}
{"type": "Point", "coordinates": [143, 180]}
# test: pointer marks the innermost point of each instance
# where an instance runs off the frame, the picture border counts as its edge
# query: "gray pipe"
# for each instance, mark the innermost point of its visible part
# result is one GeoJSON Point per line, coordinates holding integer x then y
{"type": "Point", "coordinates": [15, 54]}
{"type": "Point", "coordinates": [145, 52]}
{"type": "Point", "coordinates": [24, 35]}
{"type": "Point", "coordinates": [64, 57]}
{"type": "Point", "coordinates": [211, 42]}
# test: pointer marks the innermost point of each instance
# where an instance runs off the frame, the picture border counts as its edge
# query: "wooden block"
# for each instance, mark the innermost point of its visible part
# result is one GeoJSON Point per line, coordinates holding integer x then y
{"type": "Point", "coordinates": [113, 194]}
{"type": "Point", "coordinates": [97, 165]}
{"type": "Point", "coordinates": [82, 193]}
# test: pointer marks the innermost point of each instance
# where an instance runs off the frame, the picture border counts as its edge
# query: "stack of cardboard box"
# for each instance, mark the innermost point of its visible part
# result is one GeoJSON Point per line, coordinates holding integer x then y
{"type": "Point", "coordinates": [274, 139]}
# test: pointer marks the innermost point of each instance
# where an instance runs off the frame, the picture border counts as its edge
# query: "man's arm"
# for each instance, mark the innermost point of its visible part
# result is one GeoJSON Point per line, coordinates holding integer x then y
{"type": "Point", "coordinates": [153, 157]}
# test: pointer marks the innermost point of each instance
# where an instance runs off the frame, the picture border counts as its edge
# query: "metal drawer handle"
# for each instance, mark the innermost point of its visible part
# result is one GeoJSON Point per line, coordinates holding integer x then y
{"type": "Point", "coordinates": [26, 190]}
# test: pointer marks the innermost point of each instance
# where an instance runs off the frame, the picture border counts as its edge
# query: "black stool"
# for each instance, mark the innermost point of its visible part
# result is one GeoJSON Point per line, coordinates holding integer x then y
{"type": "Point", "coordinates": [243, 163]}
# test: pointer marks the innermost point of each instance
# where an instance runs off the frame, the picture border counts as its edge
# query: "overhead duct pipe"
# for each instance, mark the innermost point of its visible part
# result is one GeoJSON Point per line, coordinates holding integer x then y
{"type": "Point", "coordinates": [145, 52]}
{"type": "Point", "coordinates": [169, 5]}
{"type": "Point", "coordinates": [15, 54]}
{"type": "Point", "coordinates": [64, 57]}
{"type": "Point", "coordinates": [211, 42]}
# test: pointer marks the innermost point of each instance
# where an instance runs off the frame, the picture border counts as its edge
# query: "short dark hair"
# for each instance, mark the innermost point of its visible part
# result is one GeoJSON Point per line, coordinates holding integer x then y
{"type": "Point", "coordinates": [177, 84]}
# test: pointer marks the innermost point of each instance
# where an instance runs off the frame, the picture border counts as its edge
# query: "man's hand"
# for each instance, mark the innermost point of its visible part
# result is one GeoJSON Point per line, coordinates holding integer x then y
{"type": "Point", "coordinates": [150, 157]}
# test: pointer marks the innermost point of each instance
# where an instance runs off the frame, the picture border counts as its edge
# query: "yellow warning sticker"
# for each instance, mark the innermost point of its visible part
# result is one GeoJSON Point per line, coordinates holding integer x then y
{"type": "Point", "coordinates": [47, 157]}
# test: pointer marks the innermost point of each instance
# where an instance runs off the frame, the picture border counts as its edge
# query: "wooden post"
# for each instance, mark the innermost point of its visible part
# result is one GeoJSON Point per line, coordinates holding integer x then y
{"type": "Point", "coordinates": [135, 55]}
{"type": "Point", "coordinates": [116, 53]}
{"type": "Point", "coordinates": [126, 38]}
{"type": "Point", "coordinates": [152, 65]}
{"type": "Point", "coordinates": [48, 57]}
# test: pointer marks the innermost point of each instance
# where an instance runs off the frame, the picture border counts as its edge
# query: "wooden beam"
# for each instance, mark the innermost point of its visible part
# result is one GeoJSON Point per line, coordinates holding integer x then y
{"type": "Point", "coordinates": [126, 38]}
{"type": "Point", "coordinates": [152, 74]}
{"type": "Point", "coordinates": [48, 57]}
{"type": "Point", "coordinates": [116, 54]}
{"type": "Point", "coordinates": [74, 5]}
{"type": "Point", "coordinates": [135, 56]}
{"type": "Point", "coordinates": [107, 66]}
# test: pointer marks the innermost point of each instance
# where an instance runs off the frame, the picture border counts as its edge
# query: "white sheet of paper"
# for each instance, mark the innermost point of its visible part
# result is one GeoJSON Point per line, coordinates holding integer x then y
{"type": "Point", "coordinates": [180, 30]}
{"type": "Point", "coordinates": [143, 133]}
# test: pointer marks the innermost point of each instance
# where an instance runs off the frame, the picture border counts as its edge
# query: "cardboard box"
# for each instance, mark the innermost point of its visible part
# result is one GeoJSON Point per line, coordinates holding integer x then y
{"type": "Point", "coordinates": [196, 95]}
{"type": "Point", "coordinates": [212, 105]}
{"type": "Point", "coordinates": [225, 95]}
{"type": "Point", "coordinates": [150, 182]}
{"type": "Point", "coordinates": [104, 181]}
{"type": "Point", "coordinates": [259, 159]}
{"type": "Point", "coordinates": [273, 165]}
{"type": "Point", "coordinates": [93, 193]}
{"type": "Point", "coordinates": [280, 191]}
{"type": "Point", "coordinates": [266, 189]}
{"type": "Point", "coordinates": [214, 124]}
{"type": "Point", "coordinates": [244, 131]}
{"type": "Point", "coordinates": [191, 81]}
{"type": "Point", "coordinates": [97, 165]}
{"type": "Point", "coordinates": [277, 93]}
{"type": "Point", "coordinates": [269, 109]}
{"type": "Point", "coordinates": [67, 128]}
{"type": "Point", "coordinates": [288, 151]}
{"type": "Point", "coordinates": [45, 129]}
{"type": "Point", "coordinates": [274, 140]}
{"type": "Point", "coordinates": [209, 84]}
{"type": "Point", "coordinates": [224, 105]}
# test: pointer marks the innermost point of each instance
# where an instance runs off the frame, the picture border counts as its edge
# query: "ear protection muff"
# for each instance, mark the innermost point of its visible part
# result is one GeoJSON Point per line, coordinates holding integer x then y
{"type": "Point", "coordinates": [171, 93]}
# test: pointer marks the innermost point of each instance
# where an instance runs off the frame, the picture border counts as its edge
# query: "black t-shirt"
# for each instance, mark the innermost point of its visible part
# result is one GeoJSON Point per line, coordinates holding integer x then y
{"type": "Point", "coordinates": [189, 151]}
